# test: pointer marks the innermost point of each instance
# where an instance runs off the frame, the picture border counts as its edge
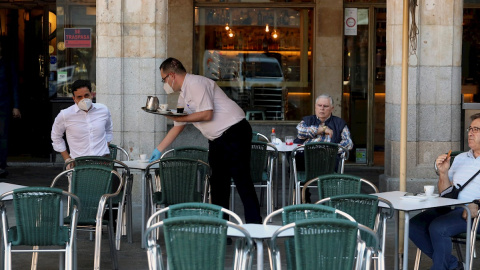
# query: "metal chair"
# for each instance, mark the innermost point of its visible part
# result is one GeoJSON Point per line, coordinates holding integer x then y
{"type": "Point", "coordinates": [338, 184]}
{"type": "Point", "coordinates": [262, 158]}
{"type": "Point", "coordinates": [124, 209]}
{"type": "Point", "coordinates": [115, 150]}
{"type": "Point", "coordinates": [93, 185]}
{"type": "Point", "coordinates": [177, 180]}
{"type": "Point", "coordinates": [195, 242]}
{"type": "Point", "coordinates": [256, 136]}
{"type": "Point", "coordinates": [39, 222]}
{"type": "Point", "coordinates": [193, 152]}
{"type": "Point", "coordinates": [364, 209]}
{"type": "Point", "coordinates": [293, 213]}
{"type": "Point", "coordinates": [320, 159]}
{"type": "Point", "coordinates": [326, 243]}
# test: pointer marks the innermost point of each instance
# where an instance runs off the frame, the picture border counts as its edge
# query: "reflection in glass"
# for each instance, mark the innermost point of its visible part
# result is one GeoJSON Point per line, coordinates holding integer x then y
{"type": "Point", "coordinates": [260, 57]}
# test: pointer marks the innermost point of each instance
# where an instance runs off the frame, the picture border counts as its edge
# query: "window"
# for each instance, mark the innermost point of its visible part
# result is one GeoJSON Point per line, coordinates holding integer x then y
{"type": "Point", "coordinates": [260, 57]}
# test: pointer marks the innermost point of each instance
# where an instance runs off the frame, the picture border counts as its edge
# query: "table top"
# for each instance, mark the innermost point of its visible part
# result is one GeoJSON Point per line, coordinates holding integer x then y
{"type": "Point", "coordinates": [282, 147]}
{"type": "Point", "coordinates": [402, 204]}
{"type": "Point", "coordinates": [6, 187]}
{"type": "Point", "coordinates": [137, 164]}
{"type": "Point", "coordinates": [259, 231]}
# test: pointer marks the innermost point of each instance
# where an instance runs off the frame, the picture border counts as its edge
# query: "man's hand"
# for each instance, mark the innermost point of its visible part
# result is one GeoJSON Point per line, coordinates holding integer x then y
{"type": "Point", "coordinates": [155, 155]}
{"type": "Point", "coordinates": [16, 113]}
{"type": "Point", "coordinates": [329, 132]}
{"type": "Point", "coordinates": [473, 207]}
{"type": "Point", "coordinates": [443, 163]}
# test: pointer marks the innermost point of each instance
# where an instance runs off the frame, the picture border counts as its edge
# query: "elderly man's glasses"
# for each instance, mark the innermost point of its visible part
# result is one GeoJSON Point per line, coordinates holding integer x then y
{"type": "Point", "coordinates": [473, 129]}
{"type": "Point", "coordinates": [163, 79]}
{"type": "Point", "coordinates": [324, 106]}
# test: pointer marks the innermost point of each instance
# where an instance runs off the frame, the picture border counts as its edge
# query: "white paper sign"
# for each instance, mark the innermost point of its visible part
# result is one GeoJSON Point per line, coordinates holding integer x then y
{"type": "Point", "coordinates": [62, 76]}
{"type": "Point", "coordinates": [350, 22]}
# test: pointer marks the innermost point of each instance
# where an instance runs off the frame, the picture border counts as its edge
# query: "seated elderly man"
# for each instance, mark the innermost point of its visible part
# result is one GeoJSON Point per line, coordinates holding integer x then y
{"type": "Point", "coordinates": [323, 126]}
{"type": "Point", "coordinates": [431, 230]}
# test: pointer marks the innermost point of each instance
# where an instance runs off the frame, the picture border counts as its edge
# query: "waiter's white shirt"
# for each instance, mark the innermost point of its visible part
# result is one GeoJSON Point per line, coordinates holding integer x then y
{"type": "Point", "coordinates": [88, 133]}
{"type": "Point", "coordinates": [199, 94]}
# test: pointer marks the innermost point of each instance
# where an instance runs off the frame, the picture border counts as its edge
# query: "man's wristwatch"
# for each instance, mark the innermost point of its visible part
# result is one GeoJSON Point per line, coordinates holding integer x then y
{"type": "Point", "coordinates": [477, 202]}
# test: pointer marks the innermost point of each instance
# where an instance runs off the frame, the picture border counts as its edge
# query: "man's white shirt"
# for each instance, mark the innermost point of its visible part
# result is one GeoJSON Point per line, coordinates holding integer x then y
{"type": "Point", "coordinates": [87, 133]}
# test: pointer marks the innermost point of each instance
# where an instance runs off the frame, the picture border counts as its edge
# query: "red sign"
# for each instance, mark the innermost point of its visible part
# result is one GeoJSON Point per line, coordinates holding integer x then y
{"type": "Point", "coordinates": [78, 37]}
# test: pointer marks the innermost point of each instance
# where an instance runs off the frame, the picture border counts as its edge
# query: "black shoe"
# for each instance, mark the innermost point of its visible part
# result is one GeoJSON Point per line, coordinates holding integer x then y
{"type": "Point", "coordinates": [3, 173]}
{"type": "Point", "coordinates": [459, 266]}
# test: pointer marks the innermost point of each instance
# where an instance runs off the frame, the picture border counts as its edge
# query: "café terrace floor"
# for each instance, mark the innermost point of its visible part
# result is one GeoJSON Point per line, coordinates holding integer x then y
{"type": "Point", "coordinates": [131, 256]}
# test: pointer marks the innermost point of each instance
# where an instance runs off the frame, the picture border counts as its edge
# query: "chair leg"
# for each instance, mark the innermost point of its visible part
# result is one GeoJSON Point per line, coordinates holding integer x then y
{"type": "Point", "coordinates": [232, 198]}
{"type": "Point", "coordinates": [34, 259]}
{"type": "Point", "coordinates": [8, 257]}
{"type": "Point", "coordinates": [111, 235]}
{"type": "Point", "coordinates": [459, 251]}
{"type": "Point", "coordinates": [417, 259]}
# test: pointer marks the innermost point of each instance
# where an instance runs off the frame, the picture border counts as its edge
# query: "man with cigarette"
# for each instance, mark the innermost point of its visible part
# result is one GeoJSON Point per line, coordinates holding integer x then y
{"type": "Point", "coordinates": [223, 123]}
{"type": "Point", "coordinates": [432, 229]}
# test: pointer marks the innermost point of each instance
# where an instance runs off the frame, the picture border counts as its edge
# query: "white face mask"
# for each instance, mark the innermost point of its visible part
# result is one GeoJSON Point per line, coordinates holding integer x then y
{"type": "Point", "coordinates": [85, 104]}
{"type": "Point", "coordinates": [168, 89]}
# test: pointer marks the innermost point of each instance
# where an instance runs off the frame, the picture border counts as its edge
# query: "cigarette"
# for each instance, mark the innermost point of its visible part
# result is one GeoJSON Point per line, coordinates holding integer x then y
{"type": "Point", "coordinates": [449, 153]}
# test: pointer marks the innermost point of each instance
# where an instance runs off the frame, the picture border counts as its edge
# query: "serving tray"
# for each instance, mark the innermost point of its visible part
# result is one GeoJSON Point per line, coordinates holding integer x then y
{"type": "Point", "coordinates": [164, 112]}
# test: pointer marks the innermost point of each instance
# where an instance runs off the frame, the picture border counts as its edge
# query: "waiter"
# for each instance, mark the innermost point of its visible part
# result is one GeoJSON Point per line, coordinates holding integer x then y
{"type": "Point", "coordinates": [223, 123]}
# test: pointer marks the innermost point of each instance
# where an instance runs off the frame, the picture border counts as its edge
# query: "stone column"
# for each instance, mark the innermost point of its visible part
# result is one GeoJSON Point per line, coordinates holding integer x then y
{"type": "Point", "coordinates": [434, 90]}
{"type": "Point", "coordinates": [131, 44]}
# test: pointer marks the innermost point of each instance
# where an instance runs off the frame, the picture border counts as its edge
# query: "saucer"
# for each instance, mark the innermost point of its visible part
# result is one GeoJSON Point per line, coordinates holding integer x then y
{"type": "Point", "coordinates": [425, 196]}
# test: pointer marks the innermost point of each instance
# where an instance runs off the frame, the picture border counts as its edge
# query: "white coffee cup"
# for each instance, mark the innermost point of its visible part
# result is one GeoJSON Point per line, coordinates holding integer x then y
{"type": "Point", "coordinates": [428, 190]}
{"type": "Point", "coordinates": [143, 157]}
{"type": "Point", "coordinates": [163, 107]}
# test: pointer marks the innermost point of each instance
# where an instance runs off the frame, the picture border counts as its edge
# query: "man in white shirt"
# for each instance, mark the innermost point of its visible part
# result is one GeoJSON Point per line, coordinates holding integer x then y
{"type": "Point", "coordinates": [87, 125]}
{"type": "Point", "coordinates": [223, 123]}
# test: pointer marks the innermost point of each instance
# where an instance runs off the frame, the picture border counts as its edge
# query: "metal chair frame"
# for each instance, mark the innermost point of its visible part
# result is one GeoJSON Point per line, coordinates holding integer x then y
{"type": "Point", "coordinates": [124, 214]}
{"type": "Point", "coordinates": [69, 250]}
{"type": "Point", "coordinates": [154, 252]}
{"type": "Point", "coordinates": [361, 182]}
{"type": "Point", "coordinates": [363, 253]}
{"type": "Point", "coordinates": [104, 200]}
{"type": "Point", "coordinates": [154, 183]}
{"type": "Point", "coordinates": [270, 156]}
{"type": "Point", "coordinates": [309, 175]}
{"type": "Point", "coordinates": [380, 220]}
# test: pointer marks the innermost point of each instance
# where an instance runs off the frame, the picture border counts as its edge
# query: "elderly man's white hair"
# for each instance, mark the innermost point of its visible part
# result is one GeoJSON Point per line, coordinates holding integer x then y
{"type": "Point", "coordinates": [324, 96]}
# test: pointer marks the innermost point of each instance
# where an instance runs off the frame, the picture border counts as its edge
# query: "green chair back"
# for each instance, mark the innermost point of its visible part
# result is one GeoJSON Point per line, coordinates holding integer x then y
{"type": "Point", "coordinates": [37, 213]}
{"type": "Point", "coordinates": [90, 183]}
{"type": "Point", "coordinates": [294, 213]}
{"type": "Point", "coordinates": [338, 184]}
{"type": "Point", "coordinates": [194, 209]}
{"type": "Point", "coordinates": [179, 181]}
{"type": "Point", "coordinates": [259, 137]}
{"type": "Point", "coordinates": [362, 207]}
{"type": "Point", "coordinates": [258, 162]}
{"type": "Point", "coordinates": [192, 152]}
{"type": "Point", "coordinates": [325, 243]}
{"type": "Point", "coordinates": [320, 159]}
{"type": "Point", "coordinates": [196, 243]}
{"type": "Point", "coordinates": [95, 160]}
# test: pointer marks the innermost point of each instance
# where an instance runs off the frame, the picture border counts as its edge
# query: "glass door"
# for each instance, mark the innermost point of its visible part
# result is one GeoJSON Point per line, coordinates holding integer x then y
{"type": "Point", "coordinates": [364, 82]}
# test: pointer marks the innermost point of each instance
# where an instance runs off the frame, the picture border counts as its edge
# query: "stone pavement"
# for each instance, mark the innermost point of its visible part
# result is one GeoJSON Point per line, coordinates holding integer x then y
{"type": "Point", "coordinates": [131, 256]}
